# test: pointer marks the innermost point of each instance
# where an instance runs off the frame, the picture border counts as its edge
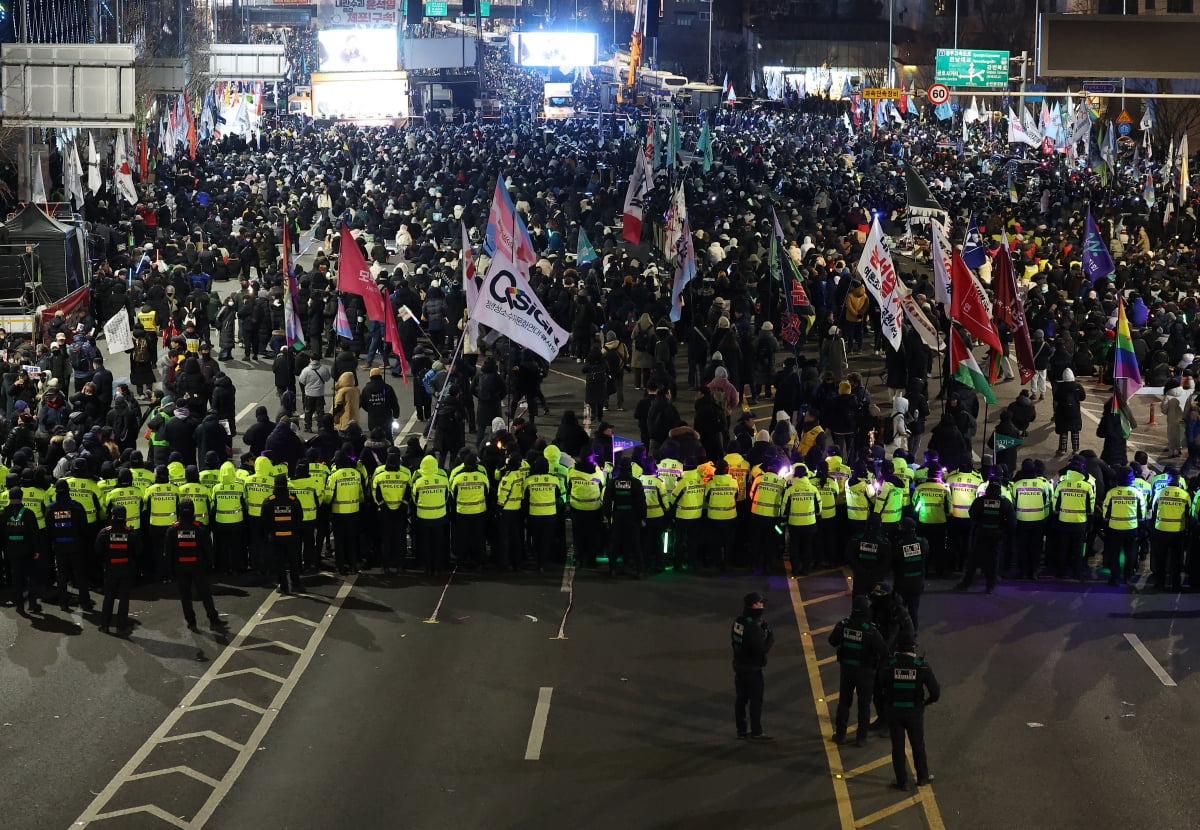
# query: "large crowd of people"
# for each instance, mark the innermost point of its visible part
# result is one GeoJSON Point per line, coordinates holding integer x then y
{"type": "Point", "coordinates": [821, 464]}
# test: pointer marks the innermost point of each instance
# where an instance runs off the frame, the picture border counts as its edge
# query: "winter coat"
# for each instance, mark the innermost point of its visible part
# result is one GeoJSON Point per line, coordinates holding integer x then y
{"type": "Point", "coordinates": [345, 401]}
{"type": "Point", "coordinates": [255, 437]}
{"type": "Point", "coordinates": [211, 437]}
{"type": "Point", "coordinates": [313, 378]}
{"type": "Point", "coordinates": [1067, 416]}
{"type": "Point", "coordinates": [224, 401]}
{"type": "Point", "coordinates": [379, 400]}
{"type": "Point", "coordinates": [643, 330]}
{"type": "Point", "coordinates": [284, 445]}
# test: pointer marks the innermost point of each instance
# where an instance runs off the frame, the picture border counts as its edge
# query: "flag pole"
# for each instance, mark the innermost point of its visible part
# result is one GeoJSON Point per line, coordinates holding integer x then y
{"type": "Point", "coordinates": [983, 442]}
{"type": "Point", "coordinates": [437, 403]}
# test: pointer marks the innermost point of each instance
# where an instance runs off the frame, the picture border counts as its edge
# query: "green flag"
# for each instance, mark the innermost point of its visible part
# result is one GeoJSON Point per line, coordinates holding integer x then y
{"type": "Point", "coordinates": [705, 146]}
{"type": "Point", "coordinates": [584, 252]}
{"type": "Point", "coordinates": [1005, 442]}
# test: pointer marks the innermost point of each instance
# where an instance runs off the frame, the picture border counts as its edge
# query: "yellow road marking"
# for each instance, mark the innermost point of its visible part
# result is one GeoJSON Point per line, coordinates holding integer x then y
{"type": "Point", "coordinates": [824, 661]}
{"type": "Point", "coordinates": [876, 764]}
{"type": "Point", "coordinates": [826, 597]}
{"type": "Point", "coordinates": [822, 702]}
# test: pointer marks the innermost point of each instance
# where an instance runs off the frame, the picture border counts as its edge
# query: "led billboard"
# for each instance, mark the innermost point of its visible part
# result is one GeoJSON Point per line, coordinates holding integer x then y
{"type": "Point", "coordinates": [562, 49]}
{"type": "Point", "coordinates": [357, 50]}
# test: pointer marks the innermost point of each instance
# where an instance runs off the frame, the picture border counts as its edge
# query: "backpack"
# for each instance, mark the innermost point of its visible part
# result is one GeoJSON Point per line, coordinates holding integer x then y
{"type": "Point", "coordinates": [643, 341]}
{"type": "Point", "coordinates": [764, 351]}
{"type": "Point", "coordinates": [598, 377]}
{"type": "Point", "coordinates": [141, 350]}
{"type": "Point", "coordinates": [79, 361]}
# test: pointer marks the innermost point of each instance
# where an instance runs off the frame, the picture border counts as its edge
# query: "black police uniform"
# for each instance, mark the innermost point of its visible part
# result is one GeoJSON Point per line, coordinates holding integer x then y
{"type": "Point", "coordinates": [69, 531]}
{"type": "Point", "coordinates": [870, 556]}
{"type": "Point", "coordinates": [188, 548]}
{"type": "Point", "coordinates": [908, 687]}
{"type": "Point", "coordinates": [860, 648]}
{"type": "Point", "coordinates": [118, 547]}
{"type": "Point", "coordinates": [751, 639]}
{"type": "Point", "coordinates": [625, 503]}
{"type": "Point", "coordinates": [21, 540]}
{"type": "Point", "coordinates": [912, 552]}
{"type": "Point", "coordinates": [994, 520]}
{"type": "Point", "coordinates": [285, 515]}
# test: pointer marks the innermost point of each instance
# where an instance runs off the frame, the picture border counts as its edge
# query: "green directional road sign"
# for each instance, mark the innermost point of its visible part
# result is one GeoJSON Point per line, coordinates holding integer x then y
{"type": "Point", "coordinates": [437, 9]}
{"type": "Point", "coordinates": [971, 67]}
{"type": "Point", "coordinates": [485, 9]}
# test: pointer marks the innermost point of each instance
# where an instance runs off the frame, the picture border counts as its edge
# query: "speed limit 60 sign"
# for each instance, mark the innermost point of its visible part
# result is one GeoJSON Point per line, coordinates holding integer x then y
{"type": "Point", "coordinates": [938, 94]}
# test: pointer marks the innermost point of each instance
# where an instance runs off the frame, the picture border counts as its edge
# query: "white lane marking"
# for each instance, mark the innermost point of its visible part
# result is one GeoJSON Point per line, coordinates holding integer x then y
{"type": "Point", "coordinates": [1148, 659]}
{"type": "Point", "coordinates": [537, 730]}
{"type": "Point", "coordinates": [568, 580]}
{"type": "Point", "coordinates": [562, 626]}
{"type": "Point", "coordinates": [129, 772]}
{"type": "Point", "coordinates": [433, 618]}
{"type": "Point", "coordinates": [570, 377]}
{"type": "Point", "coordinates": [1130, 441]}
{"type": "Point", "coordinates": [247, 410]}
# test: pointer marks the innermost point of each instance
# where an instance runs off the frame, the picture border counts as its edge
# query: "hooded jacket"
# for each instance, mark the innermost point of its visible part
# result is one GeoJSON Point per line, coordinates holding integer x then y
{"type": "Point", "coordinates": [255, 438]}
{"type": "Point", "coordinates": [284, 445]}
{"type": "Point", "coordinates": [345, 401]}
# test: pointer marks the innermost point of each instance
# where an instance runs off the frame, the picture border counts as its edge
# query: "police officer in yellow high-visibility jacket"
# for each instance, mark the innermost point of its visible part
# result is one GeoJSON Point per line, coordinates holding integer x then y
{"type": "Point", "coordinates": [655, 523]}
{"type": "Point", "coordinates": [1032, 496]}
{"type": "Point", "coordinates": [85, 491]}
{"type": "Point", "coordinates": [389, 489]}
{"type": "Point", "coordinates": [1123, 512]}
{"type": "Point", "coordinates": [510, 501]}
{"type": "Point", "coordinates": [161, 505]}
{"type": "Point", "coordinates": [739, 469]}
{"type": "Point", "coordinates": [308, 490]}
{"type": "Point", "coordinates": [259, 484]}
{"type": "Point", "coordinates": [802, 507]}
{"type": "Point", "coordinates": [964, 486]}
{"type": "Point", "coordinates": [198, 494]}
{"type": "Point", "coordinates": [585, 499]}
{"type": "Point", "coordinates": [931, 501]}
{"type": "Point", "coordinates": [766, 508]}
{"type": "Point", "coordinates": [471, 493]}
{"type": "Point", "coordinates": [129, 497]}
{"type": "Point", "coordinates": [859, 491]}
{"type": "Point", "coordinates": [687, 506]}
{"type": "Point", "coordinates": [229, 521]}
{"type": "Point", "coordinates": [720, 511]}
{"type": "Point", "coordinates": [430, 496]}
{"type": "Point", "coordinates": [344, 492]}
{"type": "Point", "coordinates": [1074, 503]}
{"type": "Point", "coordinates": [543, 503]}
{"type": "Point", "coordinates": [888, 503]}
{"type": "Point", "coordinates": [1169, 517]}
{"type": "Point", "coordinates": [828, 547]}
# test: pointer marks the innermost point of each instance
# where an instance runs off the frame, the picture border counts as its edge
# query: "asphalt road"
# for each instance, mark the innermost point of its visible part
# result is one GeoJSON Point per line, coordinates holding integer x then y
{"type": "Point", "coordinates": [351, 707]}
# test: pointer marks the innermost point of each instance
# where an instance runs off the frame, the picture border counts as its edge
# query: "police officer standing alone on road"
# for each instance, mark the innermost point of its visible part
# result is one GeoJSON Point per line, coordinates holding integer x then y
{"type": "Point", "coordinates": [860, 649]}
{"type": "Point", "coordinates": [751, 642]}
{"type": "Point", "coordinates": [117, 545]}
{"type": "Point", "coordinates": [189, 550]}
{"type": "Point", "coordinates": [908, 687]}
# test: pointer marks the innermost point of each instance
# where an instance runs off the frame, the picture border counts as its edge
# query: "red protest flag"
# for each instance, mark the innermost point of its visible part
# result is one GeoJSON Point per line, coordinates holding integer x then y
{"type": "Point", "coordinates": [967, 306]}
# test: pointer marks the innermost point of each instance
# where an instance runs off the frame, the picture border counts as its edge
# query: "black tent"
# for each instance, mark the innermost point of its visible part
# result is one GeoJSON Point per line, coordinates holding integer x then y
{"type": "Point", "coordinates": [62, 249]}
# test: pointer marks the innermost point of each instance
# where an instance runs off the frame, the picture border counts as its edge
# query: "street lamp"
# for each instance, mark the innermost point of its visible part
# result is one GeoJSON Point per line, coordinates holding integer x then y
{"type": "Point", "coordinates": [708, 70]}
{"type": "Point", "coordinates": [891, 73]}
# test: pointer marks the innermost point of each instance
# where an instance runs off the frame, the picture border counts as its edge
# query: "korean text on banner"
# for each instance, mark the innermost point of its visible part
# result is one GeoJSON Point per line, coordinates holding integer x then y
{"type": "Point", "coordinates": [879, 274]}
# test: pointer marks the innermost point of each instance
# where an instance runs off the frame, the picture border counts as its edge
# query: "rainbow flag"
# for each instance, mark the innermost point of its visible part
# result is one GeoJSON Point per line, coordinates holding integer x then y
{"type": "Point", "coordinates": [1127, 376]}
{"type": "Point", "coordinates": [293, 328]}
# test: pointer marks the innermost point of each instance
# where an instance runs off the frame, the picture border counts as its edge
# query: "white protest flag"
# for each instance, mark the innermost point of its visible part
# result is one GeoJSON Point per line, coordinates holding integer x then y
{"type": "Point", "coordinates": [122, 170]}
{"type": "Point", "coordinates": [941, 264]}
{"type": "Point", "coordinates": [916, 316]}
{"type": "Point", "coordinates": [73, 176]}
{"type": "Point", "coordinates": [639, 185]}
{"type": "Point", "coordinates": [507, 304]}
{"type": "Point", "coordinates": [875, 266]}
{"type": "Point", "coordinates": [93, 165]}
{"type": "Point", "coordinates": [470, 283]}
{"type": "Point", "coordinates": [37, 190]}
{"type": "Point", "coordinates": [117, 335]}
